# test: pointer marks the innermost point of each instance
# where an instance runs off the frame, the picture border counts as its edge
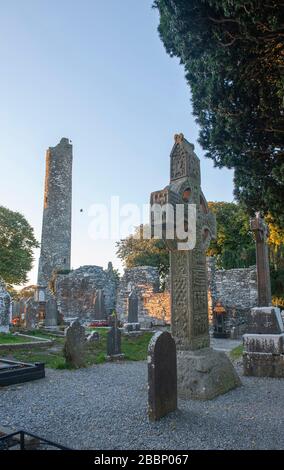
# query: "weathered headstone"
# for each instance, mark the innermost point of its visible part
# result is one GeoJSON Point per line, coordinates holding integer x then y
{"type": "Point", "coordinates": [132, 307]}
{"type": "Point", "coordinates": [30, 313]}
{"type": "Point", "coordinates": [99, 307]}
{"type": "Point", "coordinates": [74, 347]}
{"type": "Point", "coordinates": [264, 343]}
{"type": "Point", "coordinates": [114, 343]}
{"type": "Point", "coordinates": [162, 376]}
{"type": "Point", "coordinates": [5, 302]}
{"type": "Point", "coordinates": [51, 313]}
{"type": "Point", "coordinates": [202, 372]}
{"type": "Point", "coordinates": [260, 230]}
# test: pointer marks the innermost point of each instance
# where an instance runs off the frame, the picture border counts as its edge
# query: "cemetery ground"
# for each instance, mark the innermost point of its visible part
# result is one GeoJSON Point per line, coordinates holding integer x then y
{"type": "Point", "coordinates": [104, 405]}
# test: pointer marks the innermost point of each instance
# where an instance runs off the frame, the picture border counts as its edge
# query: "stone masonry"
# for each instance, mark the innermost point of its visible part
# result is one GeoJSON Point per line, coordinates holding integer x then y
{"type": "Point", "coordinates": [145, 280]}
{"type": "Point", "coordinates": [236, 290]}
{"type": "Point", "coordinates": [76, 292]}
{"type": "Point", "coordinates": [56, 226]}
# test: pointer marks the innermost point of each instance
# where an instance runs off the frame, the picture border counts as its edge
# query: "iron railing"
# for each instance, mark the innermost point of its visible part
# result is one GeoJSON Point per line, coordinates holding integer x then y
{"type": "Point", "coordinates": [17, 440]}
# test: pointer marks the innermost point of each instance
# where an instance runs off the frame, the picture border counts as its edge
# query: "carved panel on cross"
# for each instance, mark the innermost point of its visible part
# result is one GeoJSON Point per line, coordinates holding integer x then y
{"type": "Point", "coordinates": [178, 163]}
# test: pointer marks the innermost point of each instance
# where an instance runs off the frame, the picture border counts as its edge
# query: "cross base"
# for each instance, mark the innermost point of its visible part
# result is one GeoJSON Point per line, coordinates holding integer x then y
{"type": "Point", "coordinates": [204, 374]}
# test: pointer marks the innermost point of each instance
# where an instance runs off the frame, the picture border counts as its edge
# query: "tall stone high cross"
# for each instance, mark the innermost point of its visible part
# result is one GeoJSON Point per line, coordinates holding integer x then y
{"type": "Point", "coordinates": [202, 372]}
{"type": "Point", "coordinates": [189, 304]}
{"type": "Point", "coordinates": [261, 233]}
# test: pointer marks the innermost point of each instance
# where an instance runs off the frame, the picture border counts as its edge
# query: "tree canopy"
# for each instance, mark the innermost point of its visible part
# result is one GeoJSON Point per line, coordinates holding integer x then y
{"type": "Point", "coordinates": [17, 242]}
{"type": "Point", "coordinates": [134, 251]}
{"type": "Point", "coordinates": [232, 52]}
{"type": "Point", "coordinates": [234, 246]}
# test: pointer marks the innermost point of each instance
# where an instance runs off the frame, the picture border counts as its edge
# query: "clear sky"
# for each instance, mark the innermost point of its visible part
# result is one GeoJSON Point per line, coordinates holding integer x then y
{"type": "Point", "coordinates": [94, 71]}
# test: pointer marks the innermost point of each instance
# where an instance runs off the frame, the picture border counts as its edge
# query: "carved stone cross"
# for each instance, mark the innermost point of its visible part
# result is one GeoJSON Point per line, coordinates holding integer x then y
{"type": "Point", "coordinates": [189, 304]}
{"type": "Point", "coordinates": [260, 230]}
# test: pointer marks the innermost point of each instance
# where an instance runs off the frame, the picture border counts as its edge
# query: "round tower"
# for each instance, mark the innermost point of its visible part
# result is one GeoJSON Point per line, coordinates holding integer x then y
{"type": "Point", "coordinates": [57, 212]}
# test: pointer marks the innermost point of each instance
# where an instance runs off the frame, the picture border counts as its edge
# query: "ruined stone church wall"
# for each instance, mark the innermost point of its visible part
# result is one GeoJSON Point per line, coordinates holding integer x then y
{"type": "Point", "coordinates": [76, 292]}
{"type": "Point", "coordinates": [146, 281]}
{"type": "Point", "coordinates": [236, 289]}
{"type": "Point", "coordinates": [232, 287]}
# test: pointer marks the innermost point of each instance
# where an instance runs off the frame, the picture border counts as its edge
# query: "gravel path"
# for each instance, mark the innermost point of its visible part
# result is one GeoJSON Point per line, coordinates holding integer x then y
{"type": "Point", "coordinates": [104, 407]}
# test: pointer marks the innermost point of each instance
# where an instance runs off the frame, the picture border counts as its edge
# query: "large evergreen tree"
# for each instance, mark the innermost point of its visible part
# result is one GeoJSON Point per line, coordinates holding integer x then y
{"type": "Point", "coordinates": [232, 52]}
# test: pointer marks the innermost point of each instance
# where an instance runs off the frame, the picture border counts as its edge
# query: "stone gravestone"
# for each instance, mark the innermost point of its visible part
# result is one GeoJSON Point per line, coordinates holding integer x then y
{"type": "Point", "coordinates": [51, 313]}
{"type": "Point", "coordinates": [162, 375]}
{"type": "Point", "coordinates": [99, 308]}
{"type": "Point", "coordinates": [30, 313]}
{"type": "Point", "coordinates": [114, 343]}
{"type": "Point", "coordinates": [261, 233]}
{"type": "Point", "coordinates": [74, 347]}
{"type": "Point", "coordinates": [203, 373]}
{"type": "Point", "coordinates": [5, 302]}
{"type": "Point", "coordinates": [132, 324]}
{"type": "Point", "coordinates": [132, 307]}
{"type": "Point", "coordinates": [264, 343]}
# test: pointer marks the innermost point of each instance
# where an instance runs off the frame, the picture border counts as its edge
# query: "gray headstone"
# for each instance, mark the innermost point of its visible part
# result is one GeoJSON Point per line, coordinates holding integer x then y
{"type": "Point", "coordinates": [30, 314]}
{"type": "Point", "coordinates": [114, 342]}
{"type": "Point", "coordinates": [5, 302]}
{"type": "Point", "coordinates": [133, 307]}
{"type": "Point", "coordinates": [74, 347]}
{"type": "Point", "coordinates": [162, 376]}
{"type": "Point", "coordinates": [99, 308]}
{"type": "Point", "coordinates": [51, 313]}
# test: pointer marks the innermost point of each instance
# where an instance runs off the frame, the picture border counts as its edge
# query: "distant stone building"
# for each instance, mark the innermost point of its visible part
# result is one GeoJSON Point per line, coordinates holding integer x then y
{"type": "Point", "coordinates": [76, 293]}
{"type": "Point", "coordinates": [56, 226]}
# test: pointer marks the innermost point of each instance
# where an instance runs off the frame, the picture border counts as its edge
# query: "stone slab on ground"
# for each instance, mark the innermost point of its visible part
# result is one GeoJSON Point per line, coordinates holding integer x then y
{"type": "Point", "coordinates": [263, 364]}
{"type": "Point", "coordinates": [105, 407]}
{"type": "Point", "coordinates": [273, 344]}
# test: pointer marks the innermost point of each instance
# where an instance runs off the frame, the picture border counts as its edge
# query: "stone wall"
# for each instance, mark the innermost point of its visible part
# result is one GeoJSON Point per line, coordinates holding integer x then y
{"type": "Point", "coordinates": [5, 303]}
{"type": "Point", "coordinates": [158, 306]}
{"type": "Point", "coordinates": [145, 279]}
{"type": "Point", "coordinates": [236, 289]}
{"type": "Point", "coordinates": [76, 292]}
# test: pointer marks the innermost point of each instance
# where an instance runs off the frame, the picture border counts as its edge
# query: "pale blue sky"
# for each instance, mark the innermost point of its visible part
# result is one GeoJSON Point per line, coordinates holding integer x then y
{"type": "Point", "coordinates": [94, 71]}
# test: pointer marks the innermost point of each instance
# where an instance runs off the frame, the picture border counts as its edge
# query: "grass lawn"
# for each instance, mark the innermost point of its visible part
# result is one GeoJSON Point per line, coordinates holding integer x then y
{"type": "Point", "coordinates": [134, 348]}
{"type": "Point", "coordinates": [237, 352]}
{"type": "Point", "coordinates": [8, 338]}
